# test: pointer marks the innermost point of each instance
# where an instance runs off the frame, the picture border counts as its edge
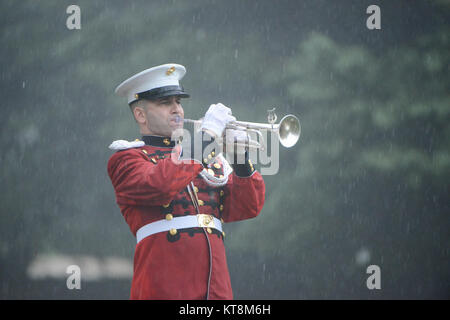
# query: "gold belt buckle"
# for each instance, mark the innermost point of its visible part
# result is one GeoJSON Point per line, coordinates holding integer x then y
{"type": "Point", "coordinates": [205, 220]}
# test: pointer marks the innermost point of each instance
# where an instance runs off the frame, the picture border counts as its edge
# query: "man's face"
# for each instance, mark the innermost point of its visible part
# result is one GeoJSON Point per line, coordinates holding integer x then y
{"type": "Point", "coordinates": [163, 116]}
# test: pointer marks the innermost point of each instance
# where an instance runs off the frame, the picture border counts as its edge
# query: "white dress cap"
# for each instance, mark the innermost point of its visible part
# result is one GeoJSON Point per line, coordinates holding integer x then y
{"type": "Point", "coordinates": [156, 82]}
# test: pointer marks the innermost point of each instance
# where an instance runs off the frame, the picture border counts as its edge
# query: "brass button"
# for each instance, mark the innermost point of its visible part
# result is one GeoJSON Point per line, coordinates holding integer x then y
{"type": "Point", "coordinates": [169, 216]}
{"type": "Point", "coordinates": [221, 207]}
{"type": "Point", "coordinates": [211, 171]}
{"type": "Point", "coordinates": [166, 142]}
{"type": "Point", "coordinates": [216, 165]}
{"type": "Point", "coordinates": [173, 232]}
{"type": "Point", "coordinates": [136, 96]}
{"type": "Point", "coordinates": [221, 176]}
{"type": "Point", "coordinates": [209, 230]}
{"type": "Point", "coordinates": [195, 189]}
{"type": "Point", "coordinates": [209, 156]}
{"type": "Point", "coordinates": [166, 205]}
{"type": "Point", "coordinates": [221, 193]}
{"type": "Point", "coordinates": [205, 160]}
{"type": "Point", "coordinates": [153, 160]}
{"type": "Point", "coordinates": [144, 150]}
{"type": "Point", "coordinates": [213, 153]}
{"type": "Point", "coordinates": [223, 234]}
{"type": "Point", "coordinates": [201, 202]}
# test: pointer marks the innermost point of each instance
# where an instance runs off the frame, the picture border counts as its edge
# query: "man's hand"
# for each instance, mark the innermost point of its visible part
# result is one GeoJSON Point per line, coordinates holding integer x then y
{"type": "Point", "coordinates": [216, 119]}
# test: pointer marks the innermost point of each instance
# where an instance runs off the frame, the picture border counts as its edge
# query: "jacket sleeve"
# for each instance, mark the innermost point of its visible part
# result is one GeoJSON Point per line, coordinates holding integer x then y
{"type": "Point", "coordinates": [138, 181]}
{"type": "Point", "coordinates": [244, 197]}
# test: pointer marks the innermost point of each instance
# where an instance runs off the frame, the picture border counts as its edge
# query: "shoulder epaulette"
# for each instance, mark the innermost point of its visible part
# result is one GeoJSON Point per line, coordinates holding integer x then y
{"type": "Point", "coordinates": [123, 144]}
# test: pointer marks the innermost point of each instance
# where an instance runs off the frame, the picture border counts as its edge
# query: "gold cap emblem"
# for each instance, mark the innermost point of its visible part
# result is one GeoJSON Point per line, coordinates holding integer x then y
{"type": "Point", "coordinates": [170, 71]}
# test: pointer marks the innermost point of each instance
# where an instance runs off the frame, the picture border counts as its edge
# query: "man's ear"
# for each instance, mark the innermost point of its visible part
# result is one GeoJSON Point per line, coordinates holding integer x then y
{"type": "Point", "coordinates": [139, 115]}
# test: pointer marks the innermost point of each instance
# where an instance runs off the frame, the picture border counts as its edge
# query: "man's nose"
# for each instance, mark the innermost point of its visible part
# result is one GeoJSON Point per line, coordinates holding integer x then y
{"type": "Point", "coordinates": [176, 107]}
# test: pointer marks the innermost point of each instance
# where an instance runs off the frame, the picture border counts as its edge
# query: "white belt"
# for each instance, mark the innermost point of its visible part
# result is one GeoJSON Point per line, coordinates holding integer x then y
{"type": "Point", "coordinates": [191, 221]}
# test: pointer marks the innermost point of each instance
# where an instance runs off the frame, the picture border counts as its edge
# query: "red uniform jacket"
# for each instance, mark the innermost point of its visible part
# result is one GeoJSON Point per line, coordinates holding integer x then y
{"type": "Point", "coordinates": [150, 182]}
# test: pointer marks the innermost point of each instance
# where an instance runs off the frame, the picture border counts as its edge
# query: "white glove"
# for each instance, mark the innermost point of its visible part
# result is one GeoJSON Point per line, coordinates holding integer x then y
{"type": "Point", "coordinates": [216, 119]}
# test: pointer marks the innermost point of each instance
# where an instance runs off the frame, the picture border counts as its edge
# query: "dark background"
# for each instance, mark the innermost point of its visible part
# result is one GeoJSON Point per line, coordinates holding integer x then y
{"type": "Point", "coordinates": [368, 182]}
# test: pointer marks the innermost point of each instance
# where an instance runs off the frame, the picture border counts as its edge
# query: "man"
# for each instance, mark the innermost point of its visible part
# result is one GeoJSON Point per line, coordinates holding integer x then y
{"type": "Point", "coordinates": [176, 207]}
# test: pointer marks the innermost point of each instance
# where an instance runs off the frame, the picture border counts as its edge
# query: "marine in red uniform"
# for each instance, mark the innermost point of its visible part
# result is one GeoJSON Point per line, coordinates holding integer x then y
{"type": "Point", "coordinates": [176, 207]}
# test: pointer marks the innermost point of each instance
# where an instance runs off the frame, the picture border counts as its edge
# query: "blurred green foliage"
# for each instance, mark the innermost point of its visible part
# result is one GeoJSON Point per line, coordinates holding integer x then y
{"type": "Point", "coordinates": [370, 172]}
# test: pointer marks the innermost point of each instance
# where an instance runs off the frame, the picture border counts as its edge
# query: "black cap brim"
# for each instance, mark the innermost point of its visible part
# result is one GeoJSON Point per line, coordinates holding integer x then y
{"type": "Point", "coordinates": [162, 92]}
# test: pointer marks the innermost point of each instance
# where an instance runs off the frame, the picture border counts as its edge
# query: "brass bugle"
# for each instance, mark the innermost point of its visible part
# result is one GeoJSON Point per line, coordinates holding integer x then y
{"type": "Point", "coordinates": [288, 130]}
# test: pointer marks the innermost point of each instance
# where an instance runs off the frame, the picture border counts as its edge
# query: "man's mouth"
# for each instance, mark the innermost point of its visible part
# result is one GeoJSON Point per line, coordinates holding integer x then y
{"type": "Point", "coordinates": [177, 120]}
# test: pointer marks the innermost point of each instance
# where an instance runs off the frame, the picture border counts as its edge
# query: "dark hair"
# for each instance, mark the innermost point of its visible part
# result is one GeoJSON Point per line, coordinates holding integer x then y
{"type": "Point", "coordinates": [138, 103]}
